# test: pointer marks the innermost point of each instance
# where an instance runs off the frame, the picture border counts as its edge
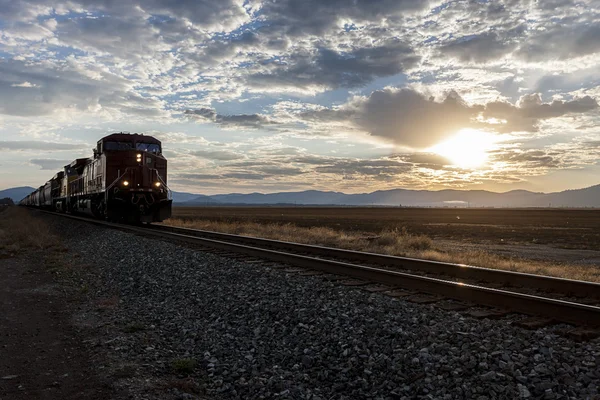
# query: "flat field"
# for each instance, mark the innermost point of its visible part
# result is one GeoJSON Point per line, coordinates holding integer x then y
{"type": "Point", "coordinates": [559, 228]}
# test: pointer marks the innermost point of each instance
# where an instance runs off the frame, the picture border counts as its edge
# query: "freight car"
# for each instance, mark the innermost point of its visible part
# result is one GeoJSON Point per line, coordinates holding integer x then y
{"type": "Point", "coordinates": [125, 180]}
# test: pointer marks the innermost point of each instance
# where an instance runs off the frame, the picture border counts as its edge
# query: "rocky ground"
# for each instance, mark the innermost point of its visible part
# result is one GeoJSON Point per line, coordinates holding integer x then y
{"type": "Point", "coordinates": [168, 322]}
{"type": "Point", "coordinates": [42, 355]}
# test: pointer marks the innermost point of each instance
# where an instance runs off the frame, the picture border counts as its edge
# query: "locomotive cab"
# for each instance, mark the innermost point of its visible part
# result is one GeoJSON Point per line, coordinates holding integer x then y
{"type": "Point", "coordinates": [135, 178]}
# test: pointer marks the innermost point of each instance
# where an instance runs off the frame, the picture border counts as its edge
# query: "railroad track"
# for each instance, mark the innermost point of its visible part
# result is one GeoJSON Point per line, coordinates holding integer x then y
{"type": "Point", "coordinates": [402, 276]}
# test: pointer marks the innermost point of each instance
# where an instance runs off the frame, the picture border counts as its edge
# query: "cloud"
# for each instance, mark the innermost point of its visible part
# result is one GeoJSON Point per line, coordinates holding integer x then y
{"type": "Point", "coordinates": [23, 84]}
{"type": "Point", "coordinates": [316, 17]}
{"type": "Point", "coordinates": [425, 160]}
{"type": "Point", "coordinates": [38, 145]}
{"type": "Point", "coordinates": [244, 175]}
{"type": "Point", "coordinates": [220, 155]}
{"type": "Point", "coordinates": [530, 109]}
{"type": "Point", "coordinates": [409, 118]}
{"type": "Point", "coordinates": [364, 167]}
{"type": "Point", "coordinates": [57, 87]}
{"type": "Point", "coordinates": [403, 116]}
{"type": "Point", "coordinates": [49, 163]}
{"type": "Point", "coordinates": [528, 158]}
{"type": "Point", "coordinates": [562, 41]}
{"type": "Point", "coordinates": [240, 120]}
{"type": "Point", "coordinates": [478, 48]}
{"type": "Point", "coordinates": [221, 15]}
{"type": "Point", "coordinates": [322, 68]}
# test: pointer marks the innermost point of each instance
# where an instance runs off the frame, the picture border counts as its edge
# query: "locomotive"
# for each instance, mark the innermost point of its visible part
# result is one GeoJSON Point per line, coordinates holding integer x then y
{"type": "Point", "coordinates": [125, 180]}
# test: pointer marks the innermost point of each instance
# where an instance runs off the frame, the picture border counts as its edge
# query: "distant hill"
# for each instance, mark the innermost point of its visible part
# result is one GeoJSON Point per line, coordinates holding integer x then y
{"type": "Point", "coordinates": [16, 194]}
{"type": "Point", "coordinates": [182, 197]}
{"type": "Point", "coordinates": [588, 197]}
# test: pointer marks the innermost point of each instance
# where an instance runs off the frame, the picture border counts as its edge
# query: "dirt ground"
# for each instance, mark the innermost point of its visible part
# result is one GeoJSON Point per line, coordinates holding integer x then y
{"type": "Point", "coordinates": [558, 235]}
{"type": "Point", "coordinates": [42, 354]}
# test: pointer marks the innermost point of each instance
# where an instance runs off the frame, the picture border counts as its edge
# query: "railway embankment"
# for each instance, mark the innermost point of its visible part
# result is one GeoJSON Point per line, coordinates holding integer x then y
{"type": "Point", "coordinates": [166, 321]}
{"type": "Point", "coordinates": [43, 355]}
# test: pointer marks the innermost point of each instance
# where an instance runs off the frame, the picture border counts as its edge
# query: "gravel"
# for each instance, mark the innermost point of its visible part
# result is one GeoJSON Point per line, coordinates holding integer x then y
{"type": "Point", "coordinates": [258, 332]}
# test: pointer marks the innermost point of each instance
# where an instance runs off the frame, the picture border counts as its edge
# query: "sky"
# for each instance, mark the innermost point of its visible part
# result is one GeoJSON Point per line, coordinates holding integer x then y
{"type": "Point", "coordinates": [289, 95]}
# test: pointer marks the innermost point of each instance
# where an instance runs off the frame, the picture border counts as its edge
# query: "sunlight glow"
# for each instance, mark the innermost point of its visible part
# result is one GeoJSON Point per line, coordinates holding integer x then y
{"type": "Point", "coordinates": [467, 149]}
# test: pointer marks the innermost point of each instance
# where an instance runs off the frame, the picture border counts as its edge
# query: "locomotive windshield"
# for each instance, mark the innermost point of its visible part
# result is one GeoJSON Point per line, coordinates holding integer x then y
{"type": "Point", "coordinates": [118, 146]}
{"type": "Point", "coordinates": [151, 147]}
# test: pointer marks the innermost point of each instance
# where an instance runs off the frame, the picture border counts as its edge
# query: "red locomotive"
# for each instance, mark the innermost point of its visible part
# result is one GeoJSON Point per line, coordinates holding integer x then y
{"type": "Point", "coordinates": [126, 180]}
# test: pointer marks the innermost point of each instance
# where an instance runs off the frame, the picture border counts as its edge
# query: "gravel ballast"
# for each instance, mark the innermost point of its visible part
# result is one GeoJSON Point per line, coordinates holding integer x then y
{"type": "Point", "coordinates": [255, 331]}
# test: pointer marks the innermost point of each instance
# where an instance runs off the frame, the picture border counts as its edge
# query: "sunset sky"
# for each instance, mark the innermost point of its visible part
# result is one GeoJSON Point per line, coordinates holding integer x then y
{"type": "Point", "coordinates": [353, 95]}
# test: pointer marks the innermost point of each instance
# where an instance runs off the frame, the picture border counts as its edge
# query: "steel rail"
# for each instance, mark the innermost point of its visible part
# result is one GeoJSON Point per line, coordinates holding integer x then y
{"type": "Point", "coordinates": [460, 271]}
{"type": "Point", "coordinates": [559, 310]}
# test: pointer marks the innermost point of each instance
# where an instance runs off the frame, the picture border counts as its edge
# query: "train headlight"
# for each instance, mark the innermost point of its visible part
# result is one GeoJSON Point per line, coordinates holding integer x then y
{"type": "Point", "coordinates": [125, 183]}
{"type": "Point", "coordinates": [138, 157]}
{"type": "Point", "coordinates": [157, 184]}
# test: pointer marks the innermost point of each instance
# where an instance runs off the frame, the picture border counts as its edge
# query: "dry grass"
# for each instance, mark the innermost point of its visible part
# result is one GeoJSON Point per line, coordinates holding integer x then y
{"type": "Point", "coordinates": [20, 231]}
{"type": "Point", "coordinates": [397, 242]}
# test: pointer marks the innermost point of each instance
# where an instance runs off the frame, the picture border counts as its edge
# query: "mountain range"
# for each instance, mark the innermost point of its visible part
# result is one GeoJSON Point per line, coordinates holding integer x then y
{"type": "Point", "coordinates": [588, 197]}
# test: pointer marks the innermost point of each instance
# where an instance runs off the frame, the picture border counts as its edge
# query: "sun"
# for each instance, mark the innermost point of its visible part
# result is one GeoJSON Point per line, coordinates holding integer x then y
{"type": "Point", "coordinates": [467, 149]}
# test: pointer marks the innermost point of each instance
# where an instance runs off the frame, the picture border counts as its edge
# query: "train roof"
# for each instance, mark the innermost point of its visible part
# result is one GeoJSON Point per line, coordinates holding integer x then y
{"type": "Point", "coordinates": [130, 137]}
{"type": "Point", "coordinates": [79, 162]}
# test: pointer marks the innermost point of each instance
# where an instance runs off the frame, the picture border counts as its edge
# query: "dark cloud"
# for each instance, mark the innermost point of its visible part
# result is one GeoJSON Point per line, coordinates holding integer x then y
{"type": "Point", "coordinates": [364, 167]}
{"type": "Point", "coordinates": [49, 163]}
{"type": "Point", "coordinates": [38, 145]}
{"type": "Point", "coordinates": [199, 176]}
{"type": "Point", "coordinates": [563, 41]}
{"type": "Point", "coordinates": [478, 48]}
{"type": "Point", "coordinates": [279, 170]}
{"type": "Point", "coordinates": [243, 175]}
{"type": "Point", "coordinates": [317, 17]}
{"type": "Point", "coordinates": [201, 12]}
{"type": "Point", "coordinates": [409, 118]}
{"type": "Point", "coordinates": [530, 109]}
{"type": "Point", "coordinates": [30, 89]}
{"type": "Point", "coordinates": [592, 144]}
{"type": "Point", "coordinates": [331, 69]}
{"type": "Point", "coordinates": [221, 155]}
{"type": "Point", "coordinates": [425, 160]}
{"type": "Point", "coordinates": [240, 120]}
{"type": "Point", "coordinates": [122, 37]}
{"type": "Point", "coordinates": [528, 158]}
{"type": "Point", "coordinates": [405, 116]}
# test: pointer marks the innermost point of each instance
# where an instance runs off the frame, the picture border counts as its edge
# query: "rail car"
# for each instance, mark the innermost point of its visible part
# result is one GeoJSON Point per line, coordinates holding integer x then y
{"type": "Point", "coordinates": [125, 180]}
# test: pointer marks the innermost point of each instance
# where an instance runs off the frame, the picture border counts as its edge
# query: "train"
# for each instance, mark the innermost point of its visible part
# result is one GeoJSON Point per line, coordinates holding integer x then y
{"type": "Point", "coordinates": [124, 181]}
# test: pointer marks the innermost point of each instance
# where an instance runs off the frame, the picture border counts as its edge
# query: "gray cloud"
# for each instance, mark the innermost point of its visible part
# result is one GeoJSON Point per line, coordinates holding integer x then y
{"type": "Point", "coordinates": [528, 158]}
{"type": "Point", "coordinates": [39, 145]}
{"type": "Point", "coordinates": [331, 69]}
{"type": "Point", "coordinates": [479, 48]}
{"type": "Point", "coordinates": [199, 176]}
{"type": "Point", "coordinates": [405, 116]}
{"type": "Point", "coordinates": [49, 163]}
{"type": "Point", "coordinates": [279, 170]}
{"type": "Point", "coordinates": [364, 167]}
{"type": "Point", "coordinates": [244, 175]}
{"type": "Point", "coordinates": [56, 87]}
{"type": "Point", "coordinates": [240, 120]}
{"type": "Point", "coordinates": [425, 160]}
{"type": "Point", "coordinates": [122, 37]}
{"type": "Point", "coordinates": [222, 14]}
{"type": "Point", "coordinates": [562, 41]}
{"type": "Point", "coordinates": [221, 155]}
{"type": "Point", "coordinates": [409, 118]}
{"type": "Point", "coordinates": [530, 109]}
{"type": "Point", "coordinates": [316, 17]}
